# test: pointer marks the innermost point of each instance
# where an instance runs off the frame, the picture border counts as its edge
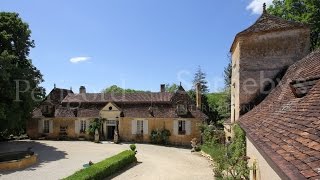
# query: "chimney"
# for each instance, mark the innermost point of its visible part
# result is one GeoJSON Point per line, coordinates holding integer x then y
{"type": "Point", "coordinates": [162, 88]}
{"type": "Point", "coordinates": [198, 95]}
{"type": "Point", "coordinates": [82, 89]}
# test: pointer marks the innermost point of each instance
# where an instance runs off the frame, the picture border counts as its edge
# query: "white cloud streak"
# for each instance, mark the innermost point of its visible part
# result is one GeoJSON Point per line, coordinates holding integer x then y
{"type": "Point", "coordinates": [256, 6]}
{"type": "Point", "coordinates": [79, 59]}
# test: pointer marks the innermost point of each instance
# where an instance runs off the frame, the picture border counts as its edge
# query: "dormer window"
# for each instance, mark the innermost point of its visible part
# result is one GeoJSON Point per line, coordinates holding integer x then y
{"type": "Point", "coordinates": [182, 109]}
{"type": "Point", "coordinates": [300, 88]}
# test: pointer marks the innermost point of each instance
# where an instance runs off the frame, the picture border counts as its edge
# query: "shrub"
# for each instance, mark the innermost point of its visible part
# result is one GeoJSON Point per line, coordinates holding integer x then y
{"type": "Point", "coordinates": [133, 147]}
{"type": "Point", "coordinates": [96, 124]}
{"type": "Point", "coordinates": [211, 134]}
{"type": "Point", "coordinates": [106, 167]}
{"type": "Point", "coordinates": [231, 158]}
{"type": "Point", "coordinates": [160, 136]}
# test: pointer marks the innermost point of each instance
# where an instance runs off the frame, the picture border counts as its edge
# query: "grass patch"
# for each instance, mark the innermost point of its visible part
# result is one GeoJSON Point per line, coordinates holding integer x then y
{"type": "Point", "coordinates": [106, 167]}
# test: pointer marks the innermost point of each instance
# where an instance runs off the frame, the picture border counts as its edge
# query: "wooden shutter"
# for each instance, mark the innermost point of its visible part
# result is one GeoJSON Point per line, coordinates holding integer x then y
{"type": "Point", "coordinates": [175, 127]}
{"type": "Point", "coordinates": [50, 126]}
{"type": "Point", "coordinates": [188, 127]}
{"type": "Point", "coordinates": [145, 127]}
{"type": "Point", "coordinates": [40, 126]}
{"type": "Point", "coordinates": [76, 127]}
{"type": "Point", "coordinates": [134, 126]}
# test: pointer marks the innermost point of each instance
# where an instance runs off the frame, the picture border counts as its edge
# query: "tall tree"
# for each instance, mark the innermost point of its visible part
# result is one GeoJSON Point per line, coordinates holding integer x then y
{"type": "Point", "coordinates": [200, 77]}
{"type": "Point", "coordinates": [19, 79]}
{"type": "Point", "coordinates": [228, 73]}
{"type": "Point", "coordinates": [306, 11]}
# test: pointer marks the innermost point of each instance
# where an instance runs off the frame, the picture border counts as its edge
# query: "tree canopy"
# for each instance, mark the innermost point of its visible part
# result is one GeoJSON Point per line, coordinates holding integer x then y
{"type": "Point", "coordinates": [171, 87]}
{"type": "Point", "coordinates": [117, 89]}
{"type": "Point", "coordinates": [305, 11]}
{"type": "Point", "coordinates": [19, 79]}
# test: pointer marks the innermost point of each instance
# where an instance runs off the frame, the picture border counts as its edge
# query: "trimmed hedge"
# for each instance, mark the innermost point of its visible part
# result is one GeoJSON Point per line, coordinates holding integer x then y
{"type": "Point", "coordinates": [106, 167]}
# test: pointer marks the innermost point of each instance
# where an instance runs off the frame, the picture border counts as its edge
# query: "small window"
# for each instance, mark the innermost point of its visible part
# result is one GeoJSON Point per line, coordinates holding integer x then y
{"type": "Point", "coordinates": [181, 109]}
{"type": "Point", "coordinates": [83, 125]}
{"type": "Point", "coordinates": [139, 126]}
{"type": "Point", "coordinates": [182, 127]}
{"type": "Point", "coordinates": [110, 108]}
{"type": "Point", "coordinates": [46, 126]}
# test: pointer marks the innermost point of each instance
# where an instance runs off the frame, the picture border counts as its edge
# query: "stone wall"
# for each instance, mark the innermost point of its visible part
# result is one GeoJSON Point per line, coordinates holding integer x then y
{"type": "Point", "coordinates": [264, 171]}
{"type": "Point", "coordinates": [125, 129]}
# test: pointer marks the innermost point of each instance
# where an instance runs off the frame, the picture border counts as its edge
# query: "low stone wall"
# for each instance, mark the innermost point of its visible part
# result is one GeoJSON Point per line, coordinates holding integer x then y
{"type": "Point", "coordinates": [18, 164]}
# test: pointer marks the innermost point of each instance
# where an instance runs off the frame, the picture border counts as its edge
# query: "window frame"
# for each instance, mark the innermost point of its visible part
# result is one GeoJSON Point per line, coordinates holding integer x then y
{"type": "Point", "coordinates": [83, 126]}
{"type": "Point", "coordinates": [182, 125]}
{"type": "Point", "coordinates": [140, 126]}
{"type": "Point", "coordinates": [46, 126]}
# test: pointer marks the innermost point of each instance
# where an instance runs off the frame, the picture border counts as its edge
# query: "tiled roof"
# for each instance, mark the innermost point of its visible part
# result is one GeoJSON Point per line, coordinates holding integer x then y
{"type": "Point", "coordinates": [64, 112]}
{"type": "Point", "coordinates": [161, 111]}
{"type": "Point", "coordinates": [56, 96]}
{"type": "Point", "coordinates": [267, 23]}
{"type": "Point", "coordinates": [287, 128]}
{"type": "Point", "coordinates": [88, 112]}
{"type": "Point", "coordinates": [111, 97]}
{"type": "Point", "coordinates": [36, 113]}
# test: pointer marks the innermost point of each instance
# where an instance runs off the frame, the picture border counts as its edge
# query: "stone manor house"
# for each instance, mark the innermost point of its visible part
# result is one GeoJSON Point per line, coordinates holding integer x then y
{"type": "Point", "coordinates": [275, 95]}
{"type": "Point", "coordinates": [133, 116]}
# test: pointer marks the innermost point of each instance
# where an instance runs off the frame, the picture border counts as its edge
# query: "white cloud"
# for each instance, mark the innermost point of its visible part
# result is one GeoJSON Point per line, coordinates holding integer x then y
{"type": "Point", "coordinates": [256, 6]}
{"type": "Point", "coordinates": [79, 59]}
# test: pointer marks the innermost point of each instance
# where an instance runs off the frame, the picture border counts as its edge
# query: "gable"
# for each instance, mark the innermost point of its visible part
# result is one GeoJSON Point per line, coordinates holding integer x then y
{"type": "Point", "coordinates": [110, 110]}
{"type": "Point", "coordinates": [110, 107]}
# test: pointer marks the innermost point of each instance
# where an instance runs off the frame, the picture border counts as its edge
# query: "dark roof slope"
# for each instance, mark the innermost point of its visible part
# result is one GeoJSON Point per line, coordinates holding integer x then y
{"type": "Point", "coordinates": [286, 128]}
{"type": "Point", "coordinates": [267, 23]}
{"type": "Point", "coordinates": [161, 97]}
{"type": "Point", "coordinates": [56, 96]}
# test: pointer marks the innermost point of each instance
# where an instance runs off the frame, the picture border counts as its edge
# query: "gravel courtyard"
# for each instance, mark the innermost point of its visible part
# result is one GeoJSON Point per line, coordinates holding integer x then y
{"type": "Point", "coordinates": [58, 159]}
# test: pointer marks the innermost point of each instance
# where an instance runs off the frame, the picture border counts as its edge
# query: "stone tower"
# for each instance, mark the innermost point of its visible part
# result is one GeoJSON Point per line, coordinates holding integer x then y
{"type": "Point", "coordinates": [259, 54]}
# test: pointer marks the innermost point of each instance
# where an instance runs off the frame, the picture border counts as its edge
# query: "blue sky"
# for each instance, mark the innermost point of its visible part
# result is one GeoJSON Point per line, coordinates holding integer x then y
{"type": "Point", "coordinates": [135, 44]}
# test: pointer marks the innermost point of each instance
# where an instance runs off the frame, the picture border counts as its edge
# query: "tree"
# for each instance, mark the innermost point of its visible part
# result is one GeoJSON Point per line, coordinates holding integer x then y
{"type": "Point", "coordinates": [19, 79]}
{"type": "Point", "coordinates": [117, 89]}
{"type": "Point", "coordinates": [200, 77]}
{"type": "Point", "coordinates": [228, 73]}
{"type": "Point", "coordinates": [305, 11]}
{"type": "Point", "coordinates": [171, 87]}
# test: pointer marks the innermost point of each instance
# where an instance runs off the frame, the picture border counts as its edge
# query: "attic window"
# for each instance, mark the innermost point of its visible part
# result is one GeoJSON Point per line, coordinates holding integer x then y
{"type": "Point", "coordinates": [300, 88]}
{"type": "Point", "coordinates": [182, 109]}
{"type": "Point", "coordinates": [110, 108]}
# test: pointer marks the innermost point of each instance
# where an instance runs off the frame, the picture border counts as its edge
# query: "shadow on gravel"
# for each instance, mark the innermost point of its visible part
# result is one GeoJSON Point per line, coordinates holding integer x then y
{"type": "Point", "coordinates": [123, 170]}
{"type": "Point", "coordinates": [45, 153]}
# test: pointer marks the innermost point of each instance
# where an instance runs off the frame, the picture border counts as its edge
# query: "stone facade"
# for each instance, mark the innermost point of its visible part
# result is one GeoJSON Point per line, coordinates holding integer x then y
{"type": "Point", "coordinates": [131, 116]}
{"type": "Point", "coordinates": [261, 56]}
{"type": "Point", "coordinates": [258, 58]}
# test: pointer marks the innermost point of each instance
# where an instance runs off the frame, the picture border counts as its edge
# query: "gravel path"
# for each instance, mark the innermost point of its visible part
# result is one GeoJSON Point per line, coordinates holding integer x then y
{"type": "Point", "coordinates": [58, 159]}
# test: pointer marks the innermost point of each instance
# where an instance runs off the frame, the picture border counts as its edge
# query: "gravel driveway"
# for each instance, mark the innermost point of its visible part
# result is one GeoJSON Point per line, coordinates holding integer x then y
{"type": "Point", "coordinates": [58, 159]}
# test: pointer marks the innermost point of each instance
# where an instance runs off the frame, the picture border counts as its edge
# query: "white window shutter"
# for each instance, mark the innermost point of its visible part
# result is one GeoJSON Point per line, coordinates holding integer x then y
{"type": "Point", "coordinates": [50, 126]}
{"type": "Point", "coordinates": [88, 124]}
{"type": "Point", "coordinates": [188, 127]}
{"type": "Point", "coordinates": [175, 127]}
{"type": "Point", "coordinates": [40, 126]}
{"type": "Point", "coordinates": [145, 127]}
{"type": "Point", "coordinates": [134, 126]}
{"type": "Point", "coordinates": [76, 127]}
